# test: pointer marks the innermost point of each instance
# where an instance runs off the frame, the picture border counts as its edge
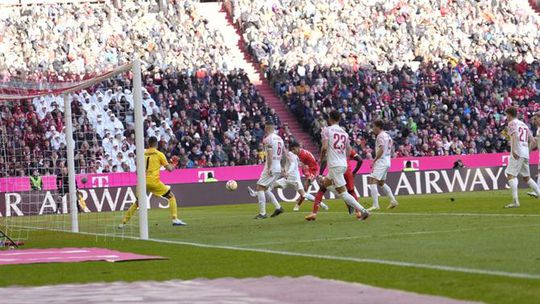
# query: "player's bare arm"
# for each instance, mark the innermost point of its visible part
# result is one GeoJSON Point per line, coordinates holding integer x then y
{"type": "Point", "coordinates": [532, 142]}
{"type": "Point", "coordinates": [322, 161]}
{"type": "Point", "coordinates": [359, 163]}
{"type": "Point", "coordinates": [378, 153]}
{"type": "Point", "coordinates": [269, 160]}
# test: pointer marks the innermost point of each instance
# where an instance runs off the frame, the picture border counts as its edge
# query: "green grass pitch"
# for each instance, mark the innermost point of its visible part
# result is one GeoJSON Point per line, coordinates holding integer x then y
{"type": "Point", "coordinates": [470, 248]}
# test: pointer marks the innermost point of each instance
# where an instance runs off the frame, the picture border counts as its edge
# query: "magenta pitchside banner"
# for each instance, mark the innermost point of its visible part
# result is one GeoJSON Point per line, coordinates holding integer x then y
{"type": "Point", "coordinates": [244, 173]}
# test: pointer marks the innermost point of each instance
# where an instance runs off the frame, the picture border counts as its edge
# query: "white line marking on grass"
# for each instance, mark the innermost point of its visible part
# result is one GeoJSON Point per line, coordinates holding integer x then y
{"type": "Point", "coordinates": [336, 258]}
{"type": "Point", "coordinates": [362, 260]}
{"type": "Point", "coordinates": [455, 214]}
{"type": "Point", "coordinates": [366, 236]}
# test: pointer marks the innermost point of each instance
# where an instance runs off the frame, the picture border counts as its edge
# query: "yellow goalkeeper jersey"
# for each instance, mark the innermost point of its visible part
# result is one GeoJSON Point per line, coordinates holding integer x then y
{"type": "Point", "coordinates": [154, 161]}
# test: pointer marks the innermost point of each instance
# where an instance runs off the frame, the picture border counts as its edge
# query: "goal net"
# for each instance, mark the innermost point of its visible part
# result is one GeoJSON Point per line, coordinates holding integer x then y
{"type": "Point", "coordinates": [70, 151]}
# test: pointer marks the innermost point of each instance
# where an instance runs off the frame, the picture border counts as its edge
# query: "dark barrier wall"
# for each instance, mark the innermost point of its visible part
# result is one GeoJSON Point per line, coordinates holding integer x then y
{"type": "Point", "coordinates": [203, 194]}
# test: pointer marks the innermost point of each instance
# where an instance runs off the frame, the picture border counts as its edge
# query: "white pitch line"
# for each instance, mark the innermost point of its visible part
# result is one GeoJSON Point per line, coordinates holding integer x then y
{"type": "Point", "coordinates": [366, 236]}
{"type": "Point", "coordinates": [363, 260]}
{"type": "Point", "coordinates": [455, 214]}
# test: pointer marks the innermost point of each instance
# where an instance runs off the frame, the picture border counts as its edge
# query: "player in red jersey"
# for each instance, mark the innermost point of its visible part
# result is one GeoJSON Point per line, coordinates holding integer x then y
{"type": "Point", "coordinates": [349, 179]}
{"type": "Point", "coordinates": [310, 168]}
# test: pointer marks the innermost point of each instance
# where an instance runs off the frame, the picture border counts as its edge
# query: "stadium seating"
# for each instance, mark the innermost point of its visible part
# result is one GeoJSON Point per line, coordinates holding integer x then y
{"type": "Point", "coordinates": [439, 73]}
{"type": "Point", "coordinates": [206, 112]}
{"type": "Point", "coordinates": [435, 110]}
{"type": "Point", "coordinates": [207, 124]}
{"type": "Point", "coordinates": [385, 33]}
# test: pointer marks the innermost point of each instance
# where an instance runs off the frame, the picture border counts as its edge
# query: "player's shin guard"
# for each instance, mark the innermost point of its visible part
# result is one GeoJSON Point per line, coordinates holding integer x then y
{"type": "Point", "coordinates": [129, 213]}
{"type": "Point", "coordinates": [272, 199]}
{"type": "Point", "coordinates": [173, 208]}
{"type": "Point", "coordinates": [513, 183]}
{"type": "Point", "coordinates": [388, 192]}
{"type": "Point", "coordinates": [262, 202]}
{"type": "Point", "coordinates": [374, 195]}
{"type": "Point", "coordinates": [349, 199]}
{"type": "Point", "coordinates": [534, 186]}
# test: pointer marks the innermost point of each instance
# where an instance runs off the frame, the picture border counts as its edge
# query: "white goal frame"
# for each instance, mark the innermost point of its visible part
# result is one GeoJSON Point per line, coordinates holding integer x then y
{"type": "Point", "coordinates": [142, 198]}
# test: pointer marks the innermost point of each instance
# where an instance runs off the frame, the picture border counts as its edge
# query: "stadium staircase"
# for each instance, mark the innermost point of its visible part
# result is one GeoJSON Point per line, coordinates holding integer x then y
{"type": "Point", "coordinates": [220, 20]}
{"type": "Point", "coordinates": [535, 5]}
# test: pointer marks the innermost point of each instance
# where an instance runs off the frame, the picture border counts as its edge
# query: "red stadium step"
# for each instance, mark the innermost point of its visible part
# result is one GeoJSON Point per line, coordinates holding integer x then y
{"type": "Point", "coordinates": [535, 5]}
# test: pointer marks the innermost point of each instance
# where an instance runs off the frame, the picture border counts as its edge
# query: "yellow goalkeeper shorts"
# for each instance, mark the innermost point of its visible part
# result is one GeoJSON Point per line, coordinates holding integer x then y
{"type": "Point", "coordinates": [159, 188]}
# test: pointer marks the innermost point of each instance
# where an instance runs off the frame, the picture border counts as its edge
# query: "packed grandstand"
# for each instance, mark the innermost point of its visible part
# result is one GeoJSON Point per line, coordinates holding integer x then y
{"type": "Point", "coordinates": [439, 73]}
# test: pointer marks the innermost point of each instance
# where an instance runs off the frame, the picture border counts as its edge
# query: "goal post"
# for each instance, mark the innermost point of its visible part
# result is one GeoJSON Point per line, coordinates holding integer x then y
{"type": "Point", "coordinates": [70, 150]}
{"type": "Point", "coordinates": [139, 143]}
{"type": "Point", "coordinates": [68, 180]}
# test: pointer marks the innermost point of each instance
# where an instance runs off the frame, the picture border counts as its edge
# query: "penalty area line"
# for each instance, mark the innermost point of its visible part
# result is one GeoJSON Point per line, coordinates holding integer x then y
{"type": "Point", "coordinates": [360, 260]}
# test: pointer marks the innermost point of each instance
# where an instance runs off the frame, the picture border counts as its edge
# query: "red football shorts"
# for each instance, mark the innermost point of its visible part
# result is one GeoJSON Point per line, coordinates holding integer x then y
{"type": "Point", "coordinates": [310, 172]}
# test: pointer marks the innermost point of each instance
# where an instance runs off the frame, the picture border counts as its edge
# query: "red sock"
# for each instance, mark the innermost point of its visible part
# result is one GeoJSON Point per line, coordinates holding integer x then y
{"type": "Point", "coordinates": [300, 200]}
{"type": "Point", "coordinates": [318, 199]}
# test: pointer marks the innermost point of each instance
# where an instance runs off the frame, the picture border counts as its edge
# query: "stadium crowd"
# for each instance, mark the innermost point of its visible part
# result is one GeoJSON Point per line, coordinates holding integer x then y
{"type": "Point", "coordinates": [386, 32]}
{"type": "Point", "coordinates": [439, 109]}
{"type": "Point", "coordinates": [66, 41]}
{"type": "Point", "coordinates": [436, 71]}
{"type": "Point", "coordinates": [206, 112]}
{"type": "Point", "coordinates": [204, 120]}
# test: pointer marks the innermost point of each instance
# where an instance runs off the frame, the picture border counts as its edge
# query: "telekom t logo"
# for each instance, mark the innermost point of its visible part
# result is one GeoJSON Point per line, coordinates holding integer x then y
{"type": "Point", "coordinates": [505, 160]}
{"type": "Point", "coordinates": [415, 164]}
{"type": "Point", "coordinates": [203, 175]}
{"type": "Point", "coordinates": [100, 181]}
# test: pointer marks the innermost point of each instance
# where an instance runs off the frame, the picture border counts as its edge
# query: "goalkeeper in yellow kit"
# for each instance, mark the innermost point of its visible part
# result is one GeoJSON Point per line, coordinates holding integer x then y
{"type": "Point", "coordinates": [154, 160]}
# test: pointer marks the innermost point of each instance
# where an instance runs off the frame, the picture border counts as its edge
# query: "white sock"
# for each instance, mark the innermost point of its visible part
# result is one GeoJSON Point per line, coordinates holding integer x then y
{"type": "Point", "coordinates": [534, 186]}
{"type": "Point", "coordinates": [388, 192]}
{"type": "Point", "coordinates": [374, 195]}
{"type": "Point", "coordinates": [514, 189]}
{"type": "Point", "coordinates": [349, 200]}
{"type": "Point", "coordinates": [262, 202]}
{"type": "Point", "coordinates": [538, 180]}
{"type": "Point", "coordinates": [272, 199]}
{"type": "Point", "coordinates": [309, 197]}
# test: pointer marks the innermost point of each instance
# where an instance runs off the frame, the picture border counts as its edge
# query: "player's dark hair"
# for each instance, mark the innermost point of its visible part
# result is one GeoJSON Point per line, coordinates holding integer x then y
{"type": "Point", "coordinates": [378, 123]}
{"type": "Point", "coordinates": [269, 124]}
{"type": "Point", "coordinates": [152, 141]}
{"type": "Point", "coordinates": [512, 111]}
{"type": "Point", "coordinates": [335, 116]}
{"type": "Point", "coordinates": [294, 144]}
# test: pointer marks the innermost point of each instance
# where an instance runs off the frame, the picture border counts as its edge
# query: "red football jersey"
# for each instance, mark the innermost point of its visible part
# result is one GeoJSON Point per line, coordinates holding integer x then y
{"type": "Point", "coordinates": [352, 155]}
{"type": "Point", "coordinates": [307, 158]}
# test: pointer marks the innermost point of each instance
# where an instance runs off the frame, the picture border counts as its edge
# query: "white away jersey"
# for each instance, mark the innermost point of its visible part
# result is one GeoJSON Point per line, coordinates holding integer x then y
{"type": "Point", "coordinates": [274, 142]}
{"type": "Point", "coordinates": [292, 171]}
{"type": "Point", "coordinates": [338, 141]}
{"type": "Point", "coordinates": [384, 142]}
{"type": "Point", "coordinates": [519, 133]}
{"type": "Point", "coordinates": [538, 143]}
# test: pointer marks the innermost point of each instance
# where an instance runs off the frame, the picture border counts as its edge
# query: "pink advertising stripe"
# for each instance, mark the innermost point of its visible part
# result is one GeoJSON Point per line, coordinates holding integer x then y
{"type": "Point", "coordinates": [68, 255]}
{"type": "Point", "coordinates": [186, 176]}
